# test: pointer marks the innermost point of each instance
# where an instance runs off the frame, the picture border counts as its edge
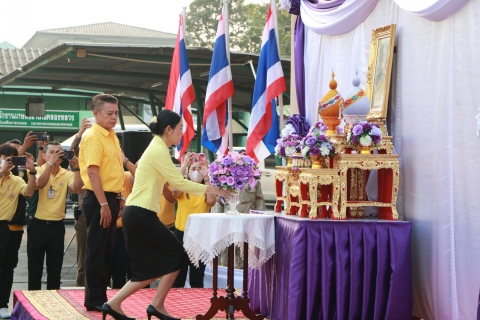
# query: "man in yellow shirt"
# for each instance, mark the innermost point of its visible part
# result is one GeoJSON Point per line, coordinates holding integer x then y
{"type": "Point", "coordinates": [46, 231]}
{"type": "Point", "coordinates": [101, 168]}
{"type": "Point", "coordinates": [11, 188]}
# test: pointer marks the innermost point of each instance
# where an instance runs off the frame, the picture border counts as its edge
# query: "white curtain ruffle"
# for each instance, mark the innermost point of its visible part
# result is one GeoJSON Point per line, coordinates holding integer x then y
{"type": "Point", "coordinates": [434, 10]}
{"type": "Point", "coordinates": [337, 21]}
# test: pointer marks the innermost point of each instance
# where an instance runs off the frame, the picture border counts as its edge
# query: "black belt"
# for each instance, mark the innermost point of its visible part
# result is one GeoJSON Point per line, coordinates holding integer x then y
{"type": "Point", "coordinates": [108, 194]}
{"type": "Point", "coordinates": [47, 221]}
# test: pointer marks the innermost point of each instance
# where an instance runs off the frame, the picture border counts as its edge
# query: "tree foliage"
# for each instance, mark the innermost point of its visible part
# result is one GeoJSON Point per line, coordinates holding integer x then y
{"type": "Point", "coordinates": [246, 23]}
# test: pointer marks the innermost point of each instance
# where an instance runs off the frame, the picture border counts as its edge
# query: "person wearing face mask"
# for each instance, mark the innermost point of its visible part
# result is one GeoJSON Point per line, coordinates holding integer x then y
{"type": "Point", "coordinates": [190, 204]}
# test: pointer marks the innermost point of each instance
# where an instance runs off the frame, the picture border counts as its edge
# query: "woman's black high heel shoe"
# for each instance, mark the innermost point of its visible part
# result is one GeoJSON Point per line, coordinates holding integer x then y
{"type": "Point", "coordinates": [106, 309]}
{"type": "Point", "coordinates": [151, 311]}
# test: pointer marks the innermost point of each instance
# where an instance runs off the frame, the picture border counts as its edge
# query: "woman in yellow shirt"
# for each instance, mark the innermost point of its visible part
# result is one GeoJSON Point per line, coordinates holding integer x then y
{"type": "Point", "coordinates": [153, 251]}
{"type": "Point", "coordinates": [188, 204]}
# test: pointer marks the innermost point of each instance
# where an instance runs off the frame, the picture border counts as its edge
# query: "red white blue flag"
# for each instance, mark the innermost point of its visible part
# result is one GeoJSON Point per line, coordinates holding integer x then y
{"type": "Point", "coordinates": [219, 89]}
{"type": "Point", "coordinates": [263, 128]}
{"type": "Point", "coordinates": [180, 93]}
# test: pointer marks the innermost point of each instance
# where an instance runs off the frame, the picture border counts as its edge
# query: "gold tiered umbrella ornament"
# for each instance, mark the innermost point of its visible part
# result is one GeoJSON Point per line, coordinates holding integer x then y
{"type": "Point", "coordinates": [329, 107]}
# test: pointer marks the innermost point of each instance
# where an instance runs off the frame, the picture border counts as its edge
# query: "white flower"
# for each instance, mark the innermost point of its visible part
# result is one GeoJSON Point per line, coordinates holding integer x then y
{"type": "Point", "coordinates": [277, 149]}
{"type": "Point", "coordinates": [285, 5]}
{"type": "Point", "coordinates": [289, 129]}
{"type": "Point", "coordinates": [376, 131]}
{"type": "Point", "coordinates": [305, 150]}
{"type": "Point", "coordinates": [349, 136]}
{"type": "Point", "coordinates": [324, 151]}
{"type": "Point", "coordinates": [290, 151]}
{"type": "Point", "coordinates": [366, 141]}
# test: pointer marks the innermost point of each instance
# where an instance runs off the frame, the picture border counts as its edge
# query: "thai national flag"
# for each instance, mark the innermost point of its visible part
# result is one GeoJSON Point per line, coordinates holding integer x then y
{"type": "Point", "coordinates": [180, 93]}
{"type": "Point", "coordinates": [219, 89]}
{"type": "Point", "coordinates": [263, 127]}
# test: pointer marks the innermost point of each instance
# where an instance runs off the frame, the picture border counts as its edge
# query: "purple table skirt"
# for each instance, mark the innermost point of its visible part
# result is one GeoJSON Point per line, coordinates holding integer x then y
{"type": "Point", "coordinates": [325, 269]}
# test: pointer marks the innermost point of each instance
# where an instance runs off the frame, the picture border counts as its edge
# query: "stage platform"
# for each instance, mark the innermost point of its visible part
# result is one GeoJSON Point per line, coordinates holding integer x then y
{"type": "Point", "coordinates": [66, 304]}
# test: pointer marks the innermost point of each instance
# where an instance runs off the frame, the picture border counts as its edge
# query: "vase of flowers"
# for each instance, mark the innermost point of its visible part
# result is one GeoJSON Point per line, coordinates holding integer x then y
{"type": "Point", "coordinates": [364, 134]}
{"type": "Point", "coordinates": [234, 172]}
{"type": "Point", "coordinates": [318, 147]}
{"type": "Point", "coordinates": [287, 146]}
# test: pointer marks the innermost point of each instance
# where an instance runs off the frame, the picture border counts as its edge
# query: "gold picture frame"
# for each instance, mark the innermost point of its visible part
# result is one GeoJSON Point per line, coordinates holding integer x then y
{"type": "Point", "coordinates": [380, 70]}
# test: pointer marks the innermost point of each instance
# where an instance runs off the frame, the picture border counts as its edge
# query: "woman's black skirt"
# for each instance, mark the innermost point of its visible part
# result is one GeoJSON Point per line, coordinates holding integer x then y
{"type": "Point", "coordinates": [152, 249]}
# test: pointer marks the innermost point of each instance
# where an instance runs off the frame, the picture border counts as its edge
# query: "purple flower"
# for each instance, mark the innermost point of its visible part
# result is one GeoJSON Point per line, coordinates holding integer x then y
{"type": "Point", "coordinates": [354, 139]}
{"type": "Point", "coordinates": [357, 129]}
{"type": "Point", "coordinates": [226, 161]}
{"type": "Point", "coordinates": [376, 139]}
{"type": "Point", "coordinates": [322, 137]}
{"type": "Point", "coordinates": [310, 141]}
{"type": "Point", "coordinates": [222, 179]}
{"type": "Point", "coordinates": [366, 126]}
{"type": "Point", "coordinates": [240, 184]}
{"type": "Point", "coordinates": [230, 181]}
{"type": "Point", "coordinates": [314, 151]}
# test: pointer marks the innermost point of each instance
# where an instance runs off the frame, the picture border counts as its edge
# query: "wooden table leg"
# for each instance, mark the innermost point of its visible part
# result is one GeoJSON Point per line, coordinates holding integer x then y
{"type": "Point", "coordinates": [230, 303]}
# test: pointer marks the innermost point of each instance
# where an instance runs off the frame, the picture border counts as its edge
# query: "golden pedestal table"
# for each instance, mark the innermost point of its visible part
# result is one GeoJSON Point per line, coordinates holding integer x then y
{"type": "Point", "coordinates": [302, 188]}
{"type": "Point", "coordinates": [388, 178]}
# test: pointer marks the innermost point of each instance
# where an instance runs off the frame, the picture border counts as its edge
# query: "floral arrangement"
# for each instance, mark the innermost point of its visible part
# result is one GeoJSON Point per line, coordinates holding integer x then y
{"type": "Point", "coordinates": [365, 133]}
{"type": "Point", "coordinates": [234, 171]}
{"type": "Point", "coordinates": [298, 124]}
{"type": "Point", "coordinates": [288, 145]}
{"type": "Point", "coordinates": [318, 127]}
{"type": "Point", "coordinates": [316, 143]}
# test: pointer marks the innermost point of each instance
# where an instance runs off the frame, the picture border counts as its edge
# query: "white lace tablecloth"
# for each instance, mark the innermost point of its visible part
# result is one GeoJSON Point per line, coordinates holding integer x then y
{"type": "Point", "coordinates": [209, 234]}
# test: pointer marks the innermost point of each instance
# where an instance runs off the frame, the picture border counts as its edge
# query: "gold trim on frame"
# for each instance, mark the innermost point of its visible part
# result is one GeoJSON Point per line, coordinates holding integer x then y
{"type": "Point", "coordinates": [378, 90]}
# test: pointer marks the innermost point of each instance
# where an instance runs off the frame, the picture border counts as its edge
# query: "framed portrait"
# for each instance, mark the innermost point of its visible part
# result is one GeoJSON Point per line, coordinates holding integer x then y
{"type": "Point", "coordinates": [380, 70]}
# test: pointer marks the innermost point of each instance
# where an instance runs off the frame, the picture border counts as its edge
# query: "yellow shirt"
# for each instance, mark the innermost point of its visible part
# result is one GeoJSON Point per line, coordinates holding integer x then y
{"type": "Point", "coordinates": [154, 169]}
{"type": "Point", "coordinates": [100, 147]}
{"type": "Point", "coordinates": [187, 206]}
{"type": "Point", "coordinates": [167, 212]}
{"type": "Point", "coordinates": [53, 209]}
{"type": "Point", "coordinates": [10, 187]}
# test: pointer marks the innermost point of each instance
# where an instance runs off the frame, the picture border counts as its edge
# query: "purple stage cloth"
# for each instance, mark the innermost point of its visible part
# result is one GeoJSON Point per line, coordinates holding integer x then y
{"type": "Point", "coordinates": [325, 269]}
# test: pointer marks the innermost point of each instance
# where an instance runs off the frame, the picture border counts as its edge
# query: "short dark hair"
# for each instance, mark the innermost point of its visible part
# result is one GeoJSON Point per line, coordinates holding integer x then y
{"type": "Point", "coordinates": [7, 150]}
{"type": "Point", "coordinates": [16, 141]}
{"type": "Point", "coordinates": [100, 99]}
{"type": "Point", "coordinates": [164, 119]}
{"type": "Point", "coordinates": [50, 143]}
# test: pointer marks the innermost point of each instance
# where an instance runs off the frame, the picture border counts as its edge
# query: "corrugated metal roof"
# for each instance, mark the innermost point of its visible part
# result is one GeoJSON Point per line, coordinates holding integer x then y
{"type": "Point", "coordinates": [12, 59]}
{"type": "Point", "coordinates": [112, 29]}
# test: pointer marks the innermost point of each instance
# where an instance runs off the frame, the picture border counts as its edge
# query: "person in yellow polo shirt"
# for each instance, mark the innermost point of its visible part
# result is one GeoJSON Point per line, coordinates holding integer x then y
{"type": "Point", "coordinates": [102, 173]}
{"type": "Point", "coordinates": [190, 204]}
{"type": "Point", "coordinates": [46, 231]}
{"type": "Point", "coordinates": [153, 251]}
{"type": "Point", "coordinates": [12, 188]}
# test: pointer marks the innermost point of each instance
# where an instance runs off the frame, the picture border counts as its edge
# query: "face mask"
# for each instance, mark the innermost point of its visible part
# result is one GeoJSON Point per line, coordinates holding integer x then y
{"type": "Point", "coordinates": [2, 163]}
{"type": "Point", "coordinates": [195, 176]}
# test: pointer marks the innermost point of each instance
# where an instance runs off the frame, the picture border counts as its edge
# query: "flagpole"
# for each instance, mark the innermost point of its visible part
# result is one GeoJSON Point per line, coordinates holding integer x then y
{"type": "Point", "coordinates": [230, 109]}
{"type": "Point", "coordinates": [184, 22]}
{"type": "Point", "coordinates": [275, 21]}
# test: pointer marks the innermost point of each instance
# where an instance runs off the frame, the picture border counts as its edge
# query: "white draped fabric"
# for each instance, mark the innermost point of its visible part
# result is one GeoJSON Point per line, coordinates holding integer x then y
{"type": "Point", "coordinates": [434, 10]}
{"type": "Point", "coordinates": [435, 101]}
{"type": "Point", "coordinates": [340, 20]}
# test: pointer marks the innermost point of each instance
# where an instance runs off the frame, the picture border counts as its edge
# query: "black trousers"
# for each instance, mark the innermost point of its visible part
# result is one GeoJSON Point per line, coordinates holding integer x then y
{"type": "Point", "coordinates": [7, 264]}
{"type": "Point", "coordinates": [45, 238]}
{"type": "Point", "coordinates": [100, 243]}
{"type": "Point", "coordinates": [118, 262]}
{"type": "Point", "coordinates": [4, 234]}
{"type": "Point", "coordinates": [196, 274]}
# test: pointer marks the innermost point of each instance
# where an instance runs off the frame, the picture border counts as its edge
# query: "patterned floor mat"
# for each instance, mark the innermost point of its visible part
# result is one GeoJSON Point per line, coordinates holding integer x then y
{"type": "Point", "coordinates": [68, 304]}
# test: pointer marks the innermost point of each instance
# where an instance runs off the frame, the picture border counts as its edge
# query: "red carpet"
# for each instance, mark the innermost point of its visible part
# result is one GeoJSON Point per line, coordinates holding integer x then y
{"type": "Point", "coordinates": [68, 304]}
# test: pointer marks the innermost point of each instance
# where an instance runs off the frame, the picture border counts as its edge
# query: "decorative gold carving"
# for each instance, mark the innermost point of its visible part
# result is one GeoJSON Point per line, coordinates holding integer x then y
{"type": "Point", "coordinates": [367, 162]}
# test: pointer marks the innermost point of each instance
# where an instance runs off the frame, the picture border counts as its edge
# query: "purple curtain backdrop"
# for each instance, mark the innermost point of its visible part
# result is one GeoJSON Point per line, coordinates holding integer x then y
{"type": "Point", "coordinates": [298, 41]}
{"type": "Point", "coordinates": [336, 270]}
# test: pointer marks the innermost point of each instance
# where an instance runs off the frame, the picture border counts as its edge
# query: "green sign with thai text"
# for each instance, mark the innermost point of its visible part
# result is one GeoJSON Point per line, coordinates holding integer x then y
{"type": "Point", "coordinates": [54, 119]}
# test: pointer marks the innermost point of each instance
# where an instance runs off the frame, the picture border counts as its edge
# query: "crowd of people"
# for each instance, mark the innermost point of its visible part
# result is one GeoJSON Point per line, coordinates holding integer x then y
{"type": "Point", "coordinates": [122, 207]}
